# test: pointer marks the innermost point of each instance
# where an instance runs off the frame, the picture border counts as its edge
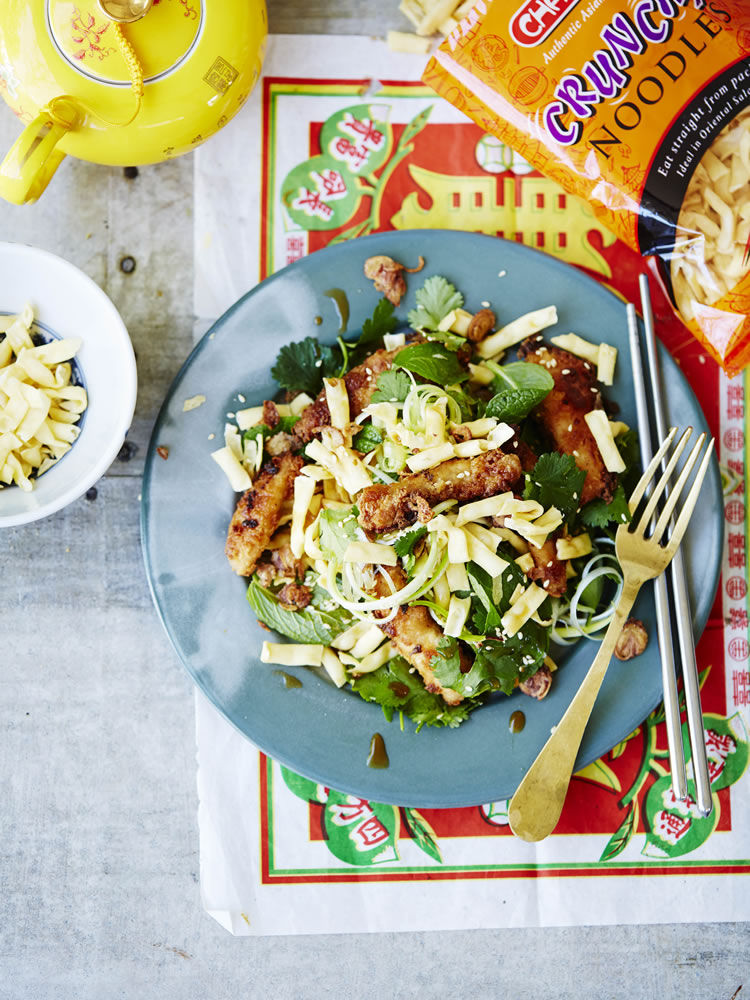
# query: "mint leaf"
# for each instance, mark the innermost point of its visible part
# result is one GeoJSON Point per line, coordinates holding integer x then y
{"type": "Point", "coordinates": [556, 481]}
{"type": "Point", "coordinates": [392, 387]}
{"type": "Point", "coordinates": [520, 387]}
{"type": "Point", "coordinates": [598, 514]}
{"type": "Point", "coordinates": [433, 362]}
{"type": "Point", "coordinates": [301, 367]}
{"type": "Point", "coordinates": [367, 439]}
{"type": "Point", "coordinates": [373, 330]}
{"type": "Point", "coordinates": [435, 299]}
{"type": "Point", "coordinates": [338, 527]}
{"type": "Point", "coordinates": [306, 625]}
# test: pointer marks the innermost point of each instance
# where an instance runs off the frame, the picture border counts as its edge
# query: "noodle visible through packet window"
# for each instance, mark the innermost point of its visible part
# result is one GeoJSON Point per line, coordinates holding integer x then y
{"type": "Point", "coordinates": [640, 107]}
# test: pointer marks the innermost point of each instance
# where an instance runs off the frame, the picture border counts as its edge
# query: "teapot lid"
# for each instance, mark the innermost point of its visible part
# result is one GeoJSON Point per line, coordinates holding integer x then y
{"type": "Point", "coordinates": [164, 38]}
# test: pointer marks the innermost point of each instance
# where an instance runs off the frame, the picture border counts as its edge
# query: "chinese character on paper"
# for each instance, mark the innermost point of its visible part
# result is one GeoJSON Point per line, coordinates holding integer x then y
{"type": "Point", "coordinates": [669, 827]}
{"type": "Point", "coordinates": [741, 687]}
{"type": "Point", "coordinates": [345, 150]}
{"type": "Point", "coordinates": [295, 248]}
{"type": "Point", "coordinates": [342, 814]}
{"type": "Point", "coordinates": [736, 544]}
{"type": "Point", "coordinates": [363, 131]}
{"type": "Point", "coordinates": [735, 402]}
{"type": "Point", "coordinates": [738, 618]}
{"type": "Point", "coordinates": [330, 184]}
{"type": "Point", "coordinates": [369, 834]}
{"type": "Point", "coordinates": [312, 204]}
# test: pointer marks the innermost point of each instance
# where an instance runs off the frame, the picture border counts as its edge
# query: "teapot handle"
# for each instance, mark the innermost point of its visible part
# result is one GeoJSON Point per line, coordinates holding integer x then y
{"type": "Point", "coordinates": [32, 160]}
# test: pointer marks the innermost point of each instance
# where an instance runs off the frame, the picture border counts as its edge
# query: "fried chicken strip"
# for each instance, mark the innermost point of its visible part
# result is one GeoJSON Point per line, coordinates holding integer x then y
{"type": "Point", "coordinates": [360, 382]}
{"type": "Point", "coordinates": [258, 511]}
{"type": "Point", "coordinates": [415, 636]}
{"type": "Point", "coordinates": [396, 505]}
{"type": "Point", "coordinates": [575, 393]}
{"type": "Point", "coordinates": [548, 569]}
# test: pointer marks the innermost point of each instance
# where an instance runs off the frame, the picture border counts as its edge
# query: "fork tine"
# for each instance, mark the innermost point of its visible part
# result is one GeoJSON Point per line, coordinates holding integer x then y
{"type": "Point", "coordinates": [658, 491]}
{"type": "Point", "coordinates": [690, 500]}
{"type": "Point", "coordinates": [637, 494]}
{"type": "Point", "coordinates": [678, 487]}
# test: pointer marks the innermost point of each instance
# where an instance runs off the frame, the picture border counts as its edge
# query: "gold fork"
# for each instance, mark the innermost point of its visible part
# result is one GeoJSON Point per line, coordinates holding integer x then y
{"type": "Point", "coordinates": [536, 806]}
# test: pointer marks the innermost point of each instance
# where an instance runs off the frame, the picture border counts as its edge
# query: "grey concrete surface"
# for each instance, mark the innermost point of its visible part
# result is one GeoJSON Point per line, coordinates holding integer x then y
{"type": "Point", "coordinates": [99, 893]}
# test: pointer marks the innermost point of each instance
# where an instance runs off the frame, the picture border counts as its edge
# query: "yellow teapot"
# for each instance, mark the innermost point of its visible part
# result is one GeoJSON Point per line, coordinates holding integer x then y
{"type": "Point", "coordinates": [121, 82]}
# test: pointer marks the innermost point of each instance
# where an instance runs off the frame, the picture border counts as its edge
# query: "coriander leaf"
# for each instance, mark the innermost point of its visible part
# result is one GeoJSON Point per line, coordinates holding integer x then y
{"type": "Point", "coordinates": [435, 299]}
{"type": "Point", "coordinates": [392, 387]}
{"type": "Point", "coordinates": [556, 481]}
{"type": "Point", "coordinates": [598, 514]}
{"type": "Point", "coordinates": [285, 424]}
{"type": "Point", "coordinates": [263, 431]}
{"type": "Point", "coordinates": [629, 447]}
{"type": "Point", "coordinates": [306, 625]}
{"type": "Point", "coordinates": [373, 330]}
{"type": "Point", "coordinates": [405, 544]}
{"type": "Point", "coordinates": [256, 431]}
{"type": "Point", "coordinates": [520, 387]}
{"type": "Point", "coordinates": [514, 660]}
{"type": "Point", "coordinates": [447, 666]}
{"type": "Point", "coordinates": [301, 367]}
{"type": "Point", "coordinates": [367, 439]}
{"type": "Point", "coordinates": [338, 527]}
{"type": "Point", "coordinates": [433, 362]}
{"type": "Point", "coordinates": [395, 687]}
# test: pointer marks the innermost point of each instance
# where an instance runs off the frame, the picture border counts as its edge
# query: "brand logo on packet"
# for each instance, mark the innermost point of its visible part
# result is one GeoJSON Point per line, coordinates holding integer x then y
{"type": "Point", "coordinates": [535, 19]}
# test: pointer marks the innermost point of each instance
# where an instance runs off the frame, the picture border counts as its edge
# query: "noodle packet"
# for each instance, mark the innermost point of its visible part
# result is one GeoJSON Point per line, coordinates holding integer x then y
{"type": "Point", "coordinates": [641, 107]}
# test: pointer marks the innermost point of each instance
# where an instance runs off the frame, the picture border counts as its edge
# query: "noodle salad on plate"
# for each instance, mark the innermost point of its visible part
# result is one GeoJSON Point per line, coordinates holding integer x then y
{"type": "Point", "coordinates": [429, 515]}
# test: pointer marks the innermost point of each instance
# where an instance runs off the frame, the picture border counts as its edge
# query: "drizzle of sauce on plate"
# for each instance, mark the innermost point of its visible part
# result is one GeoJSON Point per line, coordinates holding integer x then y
{"type": "Point", "coordinates": [290, 681]}
{"type": "Point", "coordinates": [517, 721]}
{"type": "Point", "coordinates": [342, 305]}
{"type": "Point", "coordinates": [378, 756]}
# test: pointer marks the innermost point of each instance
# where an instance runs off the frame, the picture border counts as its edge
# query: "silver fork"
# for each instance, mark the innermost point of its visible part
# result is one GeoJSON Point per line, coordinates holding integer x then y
{"type": "Point", "coordinates": [675, 595]}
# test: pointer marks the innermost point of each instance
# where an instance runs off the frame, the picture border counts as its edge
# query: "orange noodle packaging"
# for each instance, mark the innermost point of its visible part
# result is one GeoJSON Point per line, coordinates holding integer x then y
{"type": "Point", "coordinates": [642, 107]}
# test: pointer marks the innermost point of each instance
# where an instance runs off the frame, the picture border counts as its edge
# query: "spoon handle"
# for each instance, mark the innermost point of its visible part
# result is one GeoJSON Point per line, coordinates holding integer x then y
{"type": "Point", "coordinates": [536, 806]}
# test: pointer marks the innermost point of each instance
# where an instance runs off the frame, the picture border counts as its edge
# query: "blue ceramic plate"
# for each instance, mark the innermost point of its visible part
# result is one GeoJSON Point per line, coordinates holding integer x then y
{"type": "Point", "coordinates": [317, 730]}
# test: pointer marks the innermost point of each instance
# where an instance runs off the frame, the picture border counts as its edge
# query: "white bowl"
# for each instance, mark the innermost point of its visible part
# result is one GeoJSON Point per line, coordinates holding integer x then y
{"type": "Point", "coordinates": [67, 303]}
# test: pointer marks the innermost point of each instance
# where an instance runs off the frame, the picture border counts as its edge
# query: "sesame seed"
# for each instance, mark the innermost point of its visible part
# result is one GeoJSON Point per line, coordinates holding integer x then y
{"type": "Point", "coordinates": [566, 371]}
{"type": "Point", "coordinates": [241, 397]}
{"type": "Point", "coordinates": [575, 453]}
{"type": "Point", "coordinates": [549, 563]}
{"type": "Point", "coordinates": [586, 365]}
{"type": "Point", "coordinates": [545, 584]}
{"type": "Point", "coordinates": [485, 305]}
